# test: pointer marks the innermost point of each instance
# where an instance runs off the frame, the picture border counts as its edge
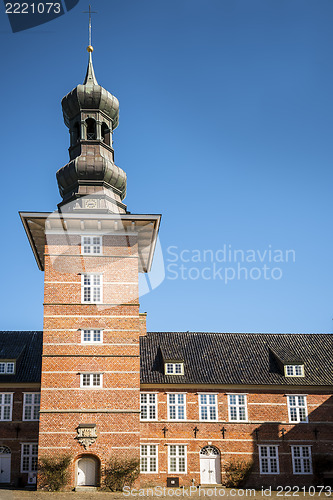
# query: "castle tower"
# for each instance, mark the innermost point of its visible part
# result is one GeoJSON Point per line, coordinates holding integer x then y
{"type": "Point", "coordinates": [91, 251]}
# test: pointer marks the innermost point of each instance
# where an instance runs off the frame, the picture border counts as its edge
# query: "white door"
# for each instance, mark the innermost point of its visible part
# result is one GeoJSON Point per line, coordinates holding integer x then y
{"type": "Point", "coordinates": [210, 466]}
{"type": "Point", "coordinates": [86, 472]}
{"type": "Point", "coordinates": [5, 468]}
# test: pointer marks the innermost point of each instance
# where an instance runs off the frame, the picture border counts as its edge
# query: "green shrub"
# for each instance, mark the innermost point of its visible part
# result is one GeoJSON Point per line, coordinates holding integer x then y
{"type": "Point", "coordinates": [53, 472]}
{"type": "Point", "coordinates": [119, 473]}
{"type": "Point", "coordinates": [236, 473]}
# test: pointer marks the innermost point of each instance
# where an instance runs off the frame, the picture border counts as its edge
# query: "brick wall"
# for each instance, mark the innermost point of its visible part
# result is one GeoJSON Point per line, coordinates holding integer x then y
{"type": "Point", "coordinates": [267, 413]}
{"type": "Point", "coordinates": [65, 405]}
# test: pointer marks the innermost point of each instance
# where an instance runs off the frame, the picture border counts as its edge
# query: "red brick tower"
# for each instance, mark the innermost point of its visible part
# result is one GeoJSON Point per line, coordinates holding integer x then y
{"type": "Point", "coordinates": [91, 250]}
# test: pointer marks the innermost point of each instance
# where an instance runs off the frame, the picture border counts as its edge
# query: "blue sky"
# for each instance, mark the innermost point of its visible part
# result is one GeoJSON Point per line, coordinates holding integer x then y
{"type": "Point", "coordinates": [226, 127]}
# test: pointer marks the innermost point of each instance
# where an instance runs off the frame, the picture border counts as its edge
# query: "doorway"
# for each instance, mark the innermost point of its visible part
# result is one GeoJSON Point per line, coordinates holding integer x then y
{"type": "Point", "coordinates": [5, 462]}
{"type": "Point", "coordinates": [87, 471]}
{"type": "Point", "coordinates": [210, 465]}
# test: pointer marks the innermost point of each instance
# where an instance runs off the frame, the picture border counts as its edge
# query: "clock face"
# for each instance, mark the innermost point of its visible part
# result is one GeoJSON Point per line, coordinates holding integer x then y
{"type": "Point", "coordinates": [91, 203]}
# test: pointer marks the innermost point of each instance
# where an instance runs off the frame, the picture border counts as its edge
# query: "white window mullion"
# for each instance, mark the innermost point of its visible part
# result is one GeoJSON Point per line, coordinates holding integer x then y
{"type": "Point", "coordinates": [31, 405]}
{"type": "Point", "coordinates": [29, 456]}
{"type": "Point", "coordinates": [208, 407]}
{"type": "Point", "coordinates": [177, 459]}
{"type": "Point", "coordinates": [237, 407]}
{"type": "Point", "coordinates": [6, 406]}
{"type": "Point", "coordinates": [91, 288]}
{"type": "Point", "coordinates": [148, 458]}
{"type": "Point", "coordinates": [148, 406]}
{"type": "Point", "coordinates": [269, 460]}
{"type": "Point", "coordinates": [91, 380]}
{"type": "Point", "coordinates": [302, 461]}
{"type": "Point", "coordinates": [177, 406]}
{"type": "Point", "coordinates": [91, 245]}
{"type": "Point", "coordinates": [297, 409]}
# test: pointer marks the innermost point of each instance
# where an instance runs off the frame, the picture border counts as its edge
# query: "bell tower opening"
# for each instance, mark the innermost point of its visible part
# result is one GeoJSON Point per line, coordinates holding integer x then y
{"type": "Point", "coordinates": [76, 133]}
{"type": "Point", "coordinates": [91, 129]}
{"type": "Point", "coordinates": [106, 134]}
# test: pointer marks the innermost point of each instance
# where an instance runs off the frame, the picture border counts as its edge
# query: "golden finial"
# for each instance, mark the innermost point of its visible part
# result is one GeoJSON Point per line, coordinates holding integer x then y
{"type": "Point", "coordinates": [90, 48]}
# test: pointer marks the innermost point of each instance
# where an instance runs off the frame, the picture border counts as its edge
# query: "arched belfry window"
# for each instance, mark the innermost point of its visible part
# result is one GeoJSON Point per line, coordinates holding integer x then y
{"type": "Point", "coordinates": [76, 132]}
{"type": "Point", "coordinates": [105, 133]}
{"type": "Point", "coordinates": [91, 129]}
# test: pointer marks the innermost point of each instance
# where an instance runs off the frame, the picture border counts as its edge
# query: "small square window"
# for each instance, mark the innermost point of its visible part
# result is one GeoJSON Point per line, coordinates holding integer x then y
{"type": "Point", "coordinates": [91, 245]}
{"type": "Point", "coordinates": [91, 336]}
{"type": "Point", "coordinates": [91, 380]}
{"type": "Point", "coordinates": [174, 368]}
{"type": "Point", "coordinates": [294, 371]}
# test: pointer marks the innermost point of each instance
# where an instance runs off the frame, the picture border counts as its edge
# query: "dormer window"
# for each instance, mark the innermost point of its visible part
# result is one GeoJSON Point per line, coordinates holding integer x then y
{"type": "Point", "coordinates": [7, 367]}
{"type": "Point", "coordinates": [294, 370]}
{"type": "Point", "coordinates": [172, 368]}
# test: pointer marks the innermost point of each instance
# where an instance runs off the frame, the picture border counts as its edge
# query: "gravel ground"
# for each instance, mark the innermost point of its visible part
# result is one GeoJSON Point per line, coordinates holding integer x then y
{"type": "Point", "coordinates": [205, 493]}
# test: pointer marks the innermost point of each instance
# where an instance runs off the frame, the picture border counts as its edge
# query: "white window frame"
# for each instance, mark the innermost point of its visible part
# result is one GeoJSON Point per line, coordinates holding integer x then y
{"type": "Point", "coordinates": [92, 245]}
{"type": "Point", "coordinates": [32, 457]}
{"type": "Point", "coordinates": [290, 370]}
{"type": "Point", "coordinates": [207, 404]}
{"type": "Point", "coordinates": [91, 333]}
{"type": "Point", "coordinates": [298, 408]}
{"type": "Point", "coordinates": [238, 406]}
{"type": "Point", "coordinates": [92, 287]}
{"type": "Point", "coordinates": [35, 403]}
{"type": "Point", "coordinates": [177, 405]}
{"type": "Point", "coordinates": [4, 405]}
{"type": "Point", "coordinates": [178, 458]}
{"type": "Point", "coordinates": [301, 459]}
{"type": "Point", "coordinates": [5, 366]}
{"type": "Point", "coordinates": [270, 458]}
{"type": "Point", "coordinates": [149, 457]}
{"type": "Point", "coordinates": [149, 404]}
{"type": "Point", "coordinates": [173, 368]}
{"type": "Point", "coordinates": [83, 376]}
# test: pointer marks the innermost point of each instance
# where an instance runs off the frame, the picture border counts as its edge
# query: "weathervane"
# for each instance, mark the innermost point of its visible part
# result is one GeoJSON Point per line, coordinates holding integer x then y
{"type": "Point", "coordinates": [90, 48]}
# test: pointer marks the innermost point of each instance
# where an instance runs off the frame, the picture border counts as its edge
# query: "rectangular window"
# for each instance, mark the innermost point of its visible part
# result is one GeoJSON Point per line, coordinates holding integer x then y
{"type": "Point", "coordinates": [208, 406]}
{"type": "Point", "coordinates": [148, 458]}
{"type": "Point", "coordinates": [148, 405]}
{"type": "Point", "coordinates": [6, 406]}
{"type": "Point", "coordinates": [91, 245]}
{"type": "Point", "coordinates": [294, 371]}
{"type": "Point", "coordinates": [7, 367]}
{"type": "Point", "coordinates": [269, 460]}
{"type": "Point", "coordinates": [29, 454]}
{"type": "Point", "coordinates": [297, 409]}
{"type": "Point", "coordinates": [174, 368]}
{"type": "Point", "coordinates": [237, 407]}
{"type": "Point", "coordinates": [91, 337]}
{"type": "Point", "coordinates": [176, 406]}
{"type": "Point", "coordinates": [91, 288]}
{"type": "Point", "coordinates": [302, 463]}
{"type": "Point", "coordinates": [91, 380]}
{"type": "Point", "coordinates": [31, 404]}
{"type": "Point", "coordinates": [177, 459]}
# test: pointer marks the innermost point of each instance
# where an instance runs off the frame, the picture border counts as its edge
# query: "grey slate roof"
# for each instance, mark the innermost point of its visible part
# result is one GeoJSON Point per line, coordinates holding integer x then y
{"type": "Point", "coordinates": [237, 358]}
{"type": "Point", "coordinates": [26, 348]}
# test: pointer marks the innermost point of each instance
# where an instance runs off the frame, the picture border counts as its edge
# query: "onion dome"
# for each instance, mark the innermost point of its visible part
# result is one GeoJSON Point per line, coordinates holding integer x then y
{"type": "Point", "coordinates": [91, 178]}
{"type": "Point", "coordinates": [90, 95]}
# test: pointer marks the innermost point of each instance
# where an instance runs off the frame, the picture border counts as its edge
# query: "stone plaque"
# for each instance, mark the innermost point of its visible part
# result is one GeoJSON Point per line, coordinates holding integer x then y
{"type": "Point", "coordinates": [86, 434]}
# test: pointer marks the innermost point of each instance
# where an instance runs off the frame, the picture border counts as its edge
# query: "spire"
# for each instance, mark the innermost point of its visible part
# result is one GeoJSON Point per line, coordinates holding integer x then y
{"type": "Point", "coordinates": [90, 75]}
